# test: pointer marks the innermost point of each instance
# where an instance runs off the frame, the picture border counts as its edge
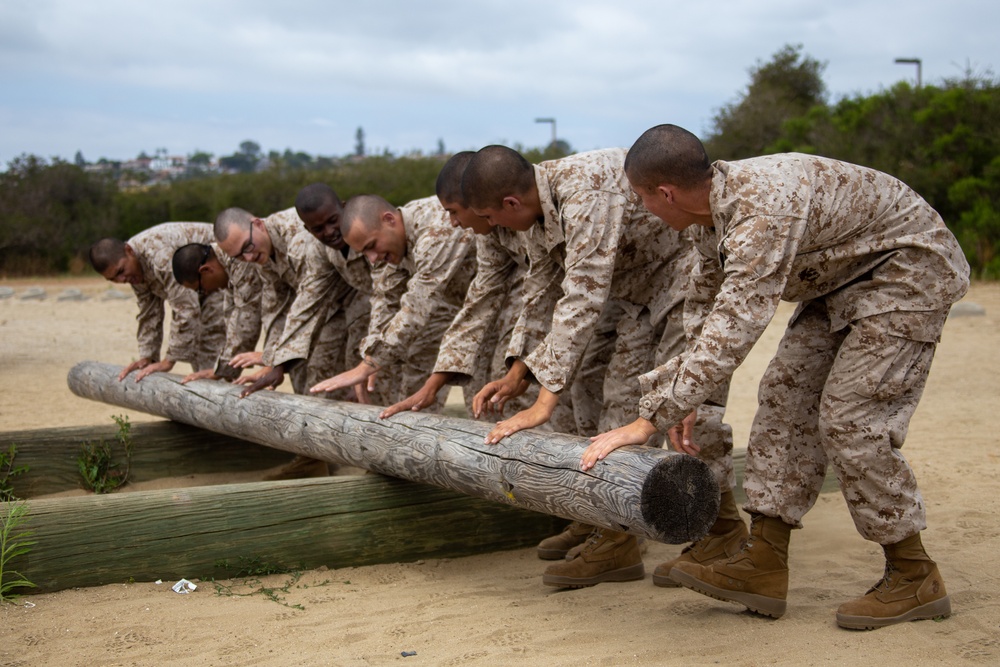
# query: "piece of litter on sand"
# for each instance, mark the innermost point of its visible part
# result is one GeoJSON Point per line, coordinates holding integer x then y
{"type": "Point", "coordinates": [158, 582]}
{"type": "Point", "coordinates": [407, 654]}
{"type": "Point", "coordinates": [183, 586]}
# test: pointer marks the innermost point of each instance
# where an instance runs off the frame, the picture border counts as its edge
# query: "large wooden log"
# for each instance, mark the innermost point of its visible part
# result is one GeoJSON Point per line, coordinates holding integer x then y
{"type": "Point", "coordinates": [332, 521]}
{"type": "Point", "coordinates": [641, 490]}
{"type": "Point", "coordinates": [162, 449]}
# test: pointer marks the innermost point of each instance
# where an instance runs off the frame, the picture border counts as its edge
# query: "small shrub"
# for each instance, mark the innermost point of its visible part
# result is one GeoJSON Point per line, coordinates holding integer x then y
{"type": "Point", "coordinates": [14, 542]}
{"type": "Point", "coordinates": [97, 465]}
{"type": "Point", "coordinates": [8, 472]}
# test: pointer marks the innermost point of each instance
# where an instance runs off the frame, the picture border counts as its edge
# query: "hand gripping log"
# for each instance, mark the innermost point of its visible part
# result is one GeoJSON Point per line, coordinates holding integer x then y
{"type": "Point", "coordinates": [656, 493]}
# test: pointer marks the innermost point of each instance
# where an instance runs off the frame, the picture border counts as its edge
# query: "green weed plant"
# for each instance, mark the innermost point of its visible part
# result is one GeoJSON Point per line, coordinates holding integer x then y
{"type": "Point", "coordinates": [8, 471]}
{"type": "Point", "coordinates": [100, 471]}
{"type": "Point", "coordinates": [14, 542]}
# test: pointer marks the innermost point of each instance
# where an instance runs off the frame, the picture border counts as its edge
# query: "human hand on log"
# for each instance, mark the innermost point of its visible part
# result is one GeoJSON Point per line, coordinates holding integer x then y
{"type": "Point", "coordinates": [536, 415]}
{"type": "Point", "coordinates": [164, 366]}
{"type": "Point", "coordinates": [682, 435]}
{"type": "Point", "coordinates": [494, 396]}
{"type": "Point", "coordinates": [135, 365]}
{"type": "Point", "coordinates": [357, 377]}
{"type": "Point", "coordinates": [422, 398]}
{"type": "Point", "coordinates": [247, 360]}
{"type": "Point", "coordinates": [205, 374]}
{"type": "Point", "coordinates": [268, 378]}
{"type": "Point", "coordinates": [636, 433]}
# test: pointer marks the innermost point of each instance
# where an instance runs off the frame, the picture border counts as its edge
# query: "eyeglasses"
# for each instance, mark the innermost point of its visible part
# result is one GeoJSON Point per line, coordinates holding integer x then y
{"type": "Point", "coordinates": [249, 246]}
{"type": "Point", "coordinates": [204, 258]}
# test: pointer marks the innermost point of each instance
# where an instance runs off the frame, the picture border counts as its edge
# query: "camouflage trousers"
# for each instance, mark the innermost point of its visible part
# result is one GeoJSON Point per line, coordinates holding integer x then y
{"type": "Point", "coordinates": [844, 397]}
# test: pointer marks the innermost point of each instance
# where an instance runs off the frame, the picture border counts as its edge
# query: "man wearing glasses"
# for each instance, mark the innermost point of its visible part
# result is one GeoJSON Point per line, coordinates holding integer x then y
{"type": "Point", "coordinates": [197, 330]}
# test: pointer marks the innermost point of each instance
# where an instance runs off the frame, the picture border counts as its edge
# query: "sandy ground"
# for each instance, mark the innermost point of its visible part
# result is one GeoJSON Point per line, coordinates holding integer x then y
{"type": "Point", "coordinates": [493, 609]}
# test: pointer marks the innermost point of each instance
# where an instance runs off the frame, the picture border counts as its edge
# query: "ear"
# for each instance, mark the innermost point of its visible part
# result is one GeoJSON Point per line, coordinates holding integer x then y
{"type": "Point", "coordinates": [128, 250]}
{"type": "Point", "coordinates": [388, 218]}
{"type": "Point", "coordinates": [666, 192]}
{"type": "Point", "coordinates": [511, 202]}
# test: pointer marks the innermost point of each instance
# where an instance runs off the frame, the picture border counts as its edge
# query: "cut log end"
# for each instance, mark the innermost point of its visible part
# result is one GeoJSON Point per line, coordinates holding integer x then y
{"type": "Point", "coordinates": [680, 499]}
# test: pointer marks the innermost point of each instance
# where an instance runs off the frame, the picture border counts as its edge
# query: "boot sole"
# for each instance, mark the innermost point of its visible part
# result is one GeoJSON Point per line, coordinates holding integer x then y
{"type": "Point", "coordinates": [664, 581]}
{"type": "Point", "coordinates": [630, 573]}
{"type": "Point", "coordinates": [759, 604]}
{"type": "Point", "coordinates": [936, 609]}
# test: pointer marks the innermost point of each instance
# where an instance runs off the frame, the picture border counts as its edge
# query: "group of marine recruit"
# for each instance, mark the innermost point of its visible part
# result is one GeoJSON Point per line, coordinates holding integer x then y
{"type": "Point", "coordinates": [610, 294]}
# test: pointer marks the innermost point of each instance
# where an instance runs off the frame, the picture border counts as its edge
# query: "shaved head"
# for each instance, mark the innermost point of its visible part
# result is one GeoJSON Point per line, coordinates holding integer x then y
{"type": "Point", "coordinates": [449, 181]}
{"type": "Point", "coordinates": [667, 154]}
{"type": "Point", "coordinates": [364, 210]}
{"type": "Point", "coordinates": [105, 252]}
{"type": "Point", "coordinates": [313, 197]}
{"type": "Point", "coordinates": [231, 217]}
{"type": "Point", "coordinates": [493, 173]}
{"type": "Point", "coordinates": [188, 259]}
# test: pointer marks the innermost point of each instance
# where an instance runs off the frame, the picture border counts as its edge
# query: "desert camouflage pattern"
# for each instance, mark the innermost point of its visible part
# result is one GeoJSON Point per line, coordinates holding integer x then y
{"type": "Point", "coordinates": [413, 303]}
{"type": "Point", "coordinates": [197, 329]}
{"type": "Point", "coordinates": [241, 311]}
{"type": "Point", "coordinates": [475, 345]}
{"type": "Point", "coordinates": [610, 248]}
{"type": "Point", "coordinates": [302, 301]}
{"type": "Point", "coordinates": [875, 270]}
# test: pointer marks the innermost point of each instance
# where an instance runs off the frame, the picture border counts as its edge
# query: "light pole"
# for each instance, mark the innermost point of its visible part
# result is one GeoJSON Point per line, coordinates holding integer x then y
{"type": "Point", "coordinates": [912, 61]}
{"type": "Point", "coordinates": [549, 120]}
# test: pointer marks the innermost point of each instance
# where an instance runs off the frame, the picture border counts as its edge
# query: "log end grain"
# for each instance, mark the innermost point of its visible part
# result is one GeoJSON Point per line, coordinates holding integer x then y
{"type": "Point", "coordinates": [680, 499]}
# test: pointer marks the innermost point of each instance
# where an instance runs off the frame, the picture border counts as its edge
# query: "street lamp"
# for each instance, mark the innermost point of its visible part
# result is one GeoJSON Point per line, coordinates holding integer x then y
{"type": "Point", "coordinates": [911, 61]}
{"type": "Point", "coordinates": [549, 120]}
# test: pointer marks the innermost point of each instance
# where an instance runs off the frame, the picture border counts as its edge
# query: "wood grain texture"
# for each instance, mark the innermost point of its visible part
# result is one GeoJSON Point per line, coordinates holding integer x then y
{"type": "Point", "coordinates": [297, 524]}
{"type": "Point", "coordinates": [162, 449]}
{"type": "Point", "coordinates": [532, 470]}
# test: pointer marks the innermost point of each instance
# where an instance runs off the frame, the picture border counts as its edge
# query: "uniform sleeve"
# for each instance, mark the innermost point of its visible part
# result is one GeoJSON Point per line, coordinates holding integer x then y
{"type": "Point", "coordinates": [590, 220]}
{"type": "Point", "coordinates": [484, 300]}
{"type": "Point", "coordinates": [438, 257]}
{"type": "Point", "coordinates": [150, 322]}
{"type": "Point", "coordinates": [242, 314]}
{"type": "Point", "coordinates": [309, 310]}
{"type": "Point", "coordinates": [185, 341]}
{"type": "Point", "coordinates": [758, 257]}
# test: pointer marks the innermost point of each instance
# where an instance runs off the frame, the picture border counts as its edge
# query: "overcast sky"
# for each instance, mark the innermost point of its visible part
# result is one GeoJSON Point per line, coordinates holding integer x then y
{"type": "Point", "coordinates": [112, 78]}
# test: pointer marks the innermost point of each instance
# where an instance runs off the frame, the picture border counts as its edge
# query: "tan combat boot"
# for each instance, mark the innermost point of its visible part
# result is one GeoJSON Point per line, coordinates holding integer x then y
{"type": "Point", "coordinates": [910, 590]}
{"type": "Point", "coordinates": [756, 576]}
{"type": "Point", "coordinates": [300, 467]}
{"type": "Point", "coordinates": [607, 556]}
{"type": "Point", "coordinates": [724, 539]}
{"type": "Point", "coordinates": [555, 547]}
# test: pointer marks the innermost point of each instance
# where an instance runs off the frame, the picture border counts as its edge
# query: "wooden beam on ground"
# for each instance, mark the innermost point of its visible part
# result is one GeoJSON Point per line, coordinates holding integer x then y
{"type": "Point", "coordinates": [162, 449]}
{"type": "Point", "coordinates": [298, 524]}
{"type": "Point", "coordinates": [645, 491]}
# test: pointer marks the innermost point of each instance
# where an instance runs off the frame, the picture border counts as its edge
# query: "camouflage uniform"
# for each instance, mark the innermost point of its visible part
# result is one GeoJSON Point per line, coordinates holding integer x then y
{"type": "Point", "coordinates": [303, 305]}
{"type": "Point", "coordinates": [197, 329]}
{"type": "Point", "coordinates": [241, 309]}
{"type": "Point", "coordinates": [475, 344]}
{"type": "Point", "coordinates": [414, 302]}
{"type": "Point", "coordinates": [614, 254]}
{"type": "Point", "coordinates": [875, 271]}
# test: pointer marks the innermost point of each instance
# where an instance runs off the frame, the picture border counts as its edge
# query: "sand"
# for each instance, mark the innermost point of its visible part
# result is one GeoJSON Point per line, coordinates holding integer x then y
{"type": "Point", "coordinates": [493, 609]}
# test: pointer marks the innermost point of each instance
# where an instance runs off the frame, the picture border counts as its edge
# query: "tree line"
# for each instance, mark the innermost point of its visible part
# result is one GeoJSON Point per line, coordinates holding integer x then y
{"type": "Point", "coordinates": [943, 140]}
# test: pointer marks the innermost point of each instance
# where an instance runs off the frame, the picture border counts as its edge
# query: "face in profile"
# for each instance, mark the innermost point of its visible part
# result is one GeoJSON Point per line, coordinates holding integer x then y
{"type": "Point", "coordinates": [324, 224]}
{"type": "Point", "coordinates": [384, 243]}
{"type": "Point", "coordinates": [125, 270]}
{"type": "Point", "coordinates": [512, 214]}
{"type": "Point", "coordinates": [462, 216]}
{"type": "Point", "coordinates": [250, 245]}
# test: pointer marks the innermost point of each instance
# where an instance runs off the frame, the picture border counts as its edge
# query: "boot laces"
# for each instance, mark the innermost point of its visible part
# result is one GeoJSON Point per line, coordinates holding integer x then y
{"type": "Point", "coordinates": [887, 582]}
